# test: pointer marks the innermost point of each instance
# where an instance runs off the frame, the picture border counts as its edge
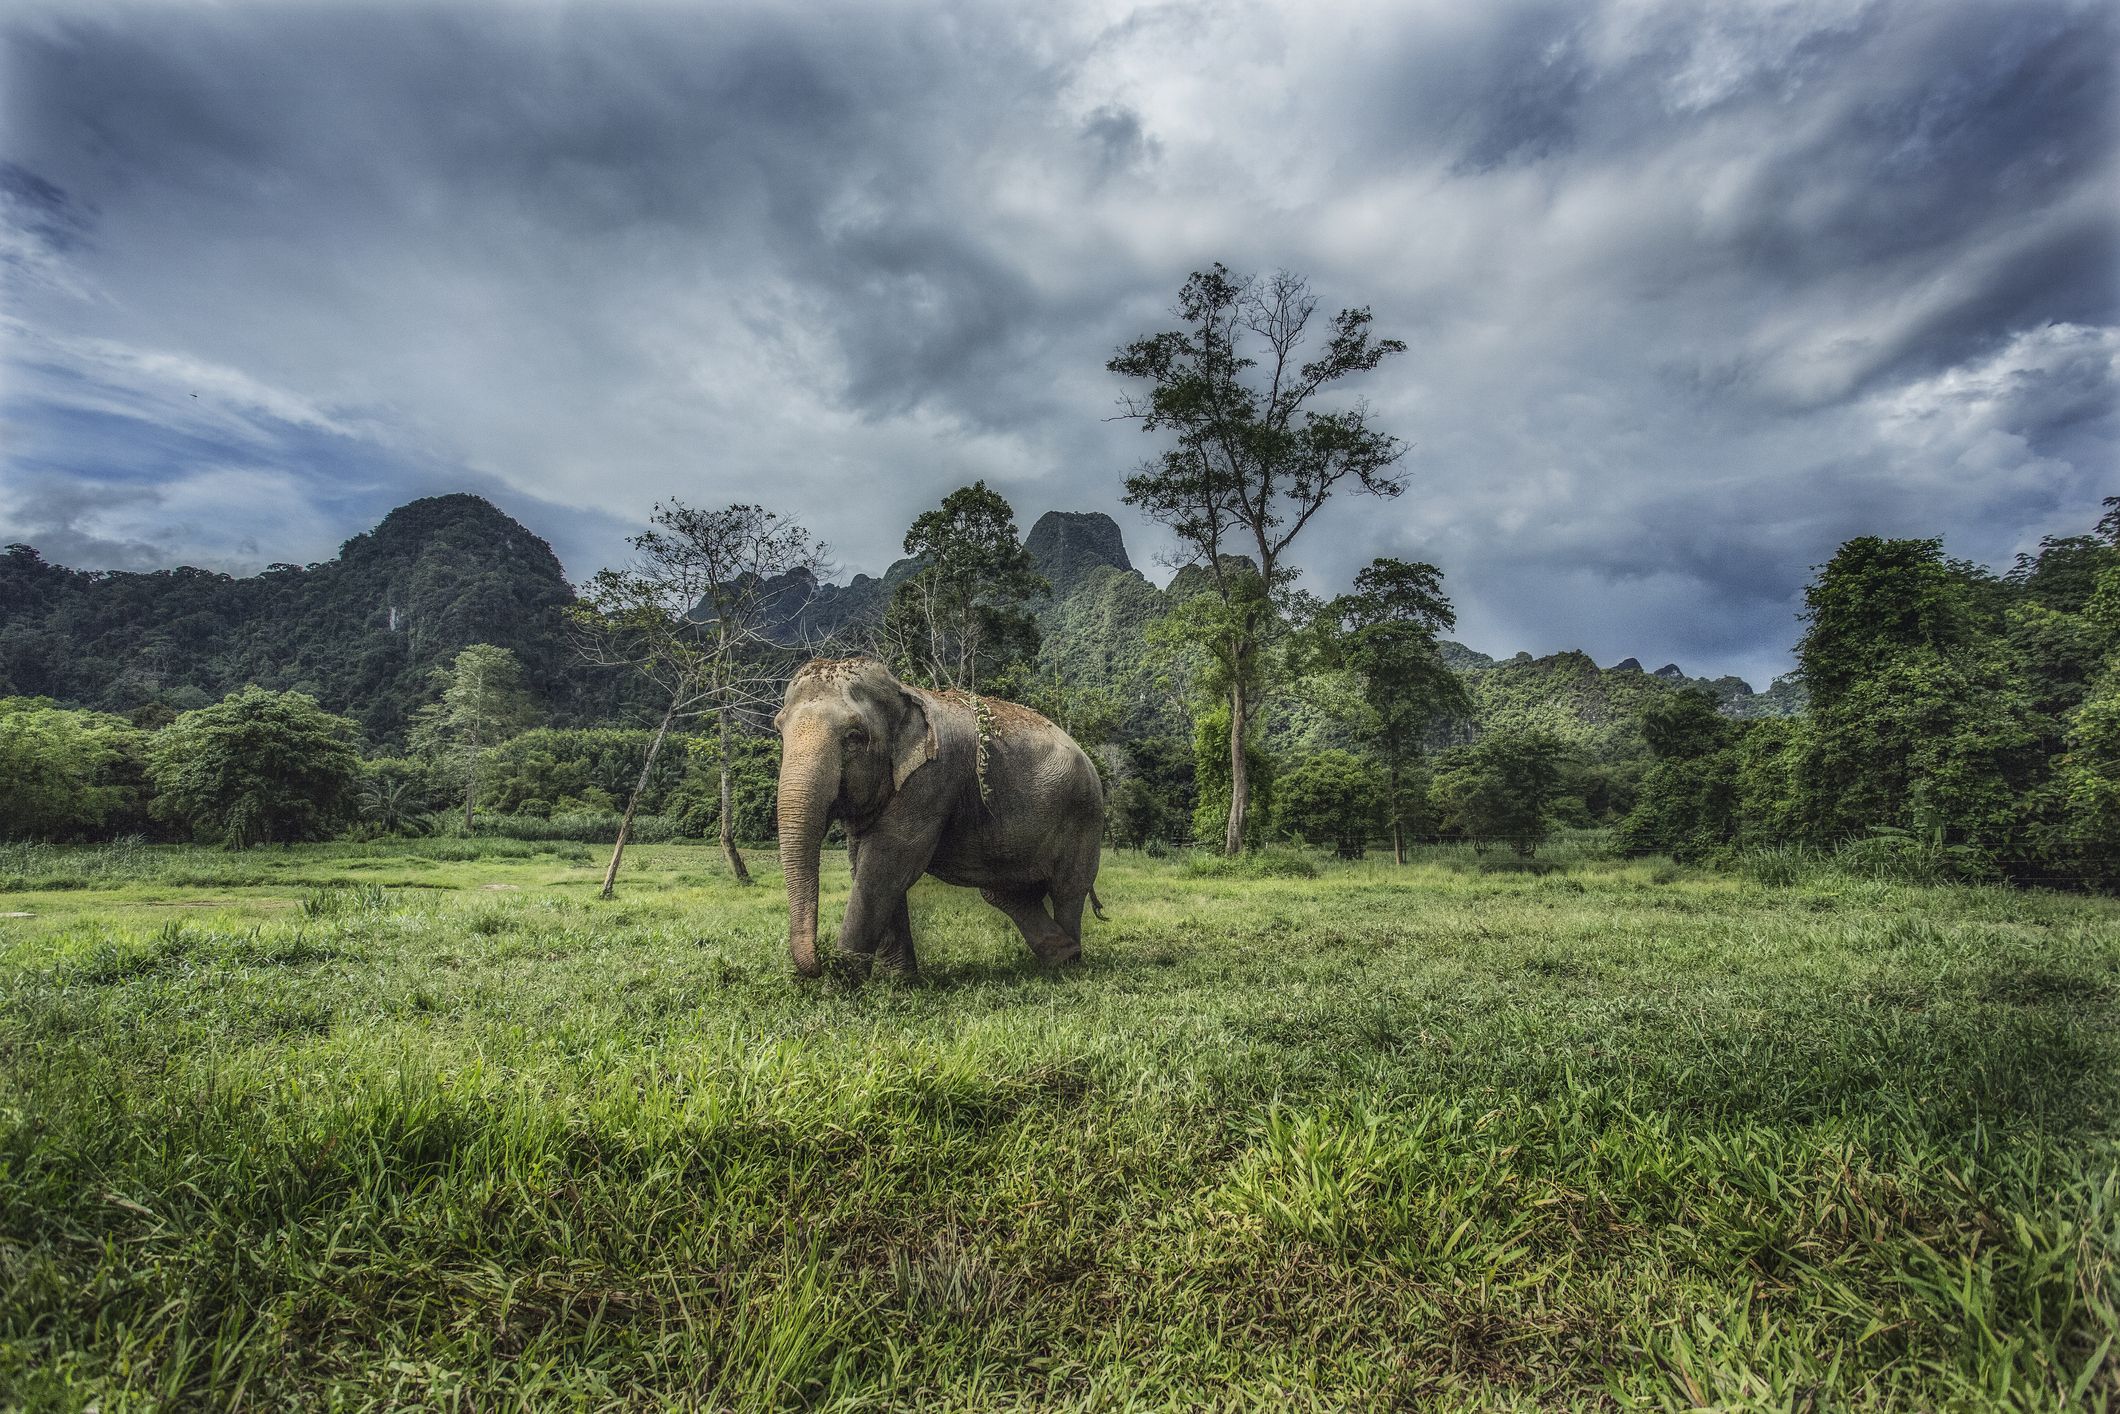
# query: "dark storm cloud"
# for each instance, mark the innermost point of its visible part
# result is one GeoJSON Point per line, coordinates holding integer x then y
{"type": "Point", "coordinates": [1693, 291]}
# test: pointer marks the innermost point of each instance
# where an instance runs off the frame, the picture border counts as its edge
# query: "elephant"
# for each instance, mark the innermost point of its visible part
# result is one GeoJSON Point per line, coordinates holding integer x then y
{"type": "Point", "coordinates": [976, 791]}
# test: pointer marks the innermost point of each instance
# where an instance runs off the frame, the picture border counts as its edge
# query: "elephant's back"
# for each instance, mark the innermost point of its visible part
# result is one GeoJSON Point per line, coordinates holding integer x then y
{"type": "Point", "coordinates": [1046, 760]}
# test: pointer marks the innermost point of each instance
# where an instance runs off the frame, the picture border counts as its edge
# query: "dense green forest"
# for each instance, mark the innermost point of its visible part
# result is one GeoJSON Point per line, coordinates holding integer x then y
{"type": "Point", "coordinates": [1945, 714]}
{"type": "Point", "coordinates": [361, 633]}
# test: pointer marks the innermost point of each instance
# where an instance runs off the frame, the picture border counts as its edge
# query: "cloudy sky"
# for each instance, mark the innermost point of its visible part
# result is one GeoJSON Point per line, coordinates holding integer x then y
{"type": "Point", "coordinates": [1692, 291]}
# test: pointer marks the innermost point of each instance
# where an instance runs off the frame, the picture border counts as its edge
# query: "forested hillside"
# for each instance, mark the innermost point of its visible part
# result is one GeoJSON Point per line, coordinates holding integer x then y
{"type": "Point", "coordinates": [361, 633]}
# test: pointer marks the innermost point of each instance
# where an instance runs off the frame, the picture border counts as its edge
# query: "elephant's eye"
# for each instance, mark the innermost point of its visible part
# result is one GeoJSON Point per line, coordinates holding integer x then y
{"type": "Point", "coordinates": [857, 736]}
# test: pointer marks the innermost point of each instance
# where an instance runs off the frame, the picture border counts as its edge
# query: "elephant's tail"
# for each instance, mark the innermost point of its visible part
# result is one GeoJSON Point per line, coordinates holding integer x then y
{"type": "Point", "coordinates": [1096, 906]}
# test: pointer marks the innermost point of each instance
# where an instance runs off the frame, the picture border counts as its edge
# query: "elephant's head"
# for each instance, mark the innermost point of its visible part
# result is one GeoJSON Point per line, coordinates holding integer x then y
{"type": "Point", "coordinates": [850, 735]}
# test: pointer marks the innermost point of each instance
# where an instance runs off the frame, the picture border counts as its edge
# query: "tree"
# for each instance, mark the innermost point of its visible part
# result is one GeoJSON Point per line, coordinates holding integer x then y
{"type": "Point", "coordinates": [752, 778]}
{"type": "Point", "coordinates": [691, 614]}
{"type": "Point", "coordinates": [1684, 724]}
{"type": "Point", "coordinates": [1152, 800]}
{"type": "Point", "coordinates": [66, 774]}
{"type": "Point", "coordinates": [962, 619]}
{"type": "Point", "coordinates": [483, 703]}
{"type": "Point", "coordinates": [1333, 798]}
{"type": "Point", "coordinates": [1211, 779]}
{"type": "Point", "coordinates": [398, 793]}
{"type": "Point", "coordinates": [2089, 772]}
{"type": "Point", "coordinates": [1501, 789]}
{"type": "Point", "coordinates": [1385, 632]}
{"type": "Point", "coordinates": [2090, 781]}
{"type": "Point", "coordinates": [258, 767]}
{"type": "Point", "coordinates": [1919, 720]}
{"type": "Point", "coordinates": [1253, 461]}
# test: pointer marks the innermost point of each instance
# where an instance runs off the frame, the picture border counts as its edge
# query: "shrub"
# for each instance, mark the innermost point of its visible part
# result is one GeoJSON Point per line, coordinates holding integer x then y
{"type": "Point", "coordinates": [1778, 866]}
{"type": "Point", "coordinates": [1904, 857]}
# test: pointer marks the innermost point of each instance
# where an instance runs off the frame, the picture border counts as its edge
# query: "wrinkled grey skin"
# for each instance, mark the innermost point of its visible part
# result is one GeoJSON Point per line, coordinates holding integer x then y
{"type": "Point", "coordinates": [897, 765]}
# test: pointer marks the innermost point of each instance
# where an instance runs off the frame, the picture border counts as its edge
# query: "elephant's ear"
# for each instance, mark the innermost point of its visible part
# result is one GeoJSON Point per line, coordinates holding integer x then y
{"type": "Point", "coordinates": [915, 746]}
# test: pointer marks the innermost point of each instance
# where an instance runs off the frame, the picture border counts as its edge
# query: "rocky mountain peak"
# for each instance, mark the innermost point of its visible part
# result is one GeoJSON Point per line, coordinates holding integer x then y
{"type": "Point", "coordinates": [1066, 545]}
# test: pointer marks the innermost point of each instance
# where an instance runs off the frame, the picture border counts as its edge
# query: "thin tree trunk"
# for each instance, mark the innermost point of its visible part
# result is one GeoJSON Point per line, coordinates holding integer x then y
{"type": "Point", "coordinates": [640, 788]}
{"type": "Point", "coordinates": [728, 824]}
{"type": "Point", "coordinates": [1239, 777]}
{"type": "Point", "coordinates": [1398, 812]}
{"type": "Point", "coordinates": [471, 779]}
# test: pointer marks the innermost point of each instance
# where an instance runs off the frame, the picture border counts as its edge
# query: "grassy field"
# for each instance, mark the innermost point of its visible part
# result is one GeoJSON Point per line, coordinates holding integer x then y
{"type": "Point", "coordinates": [428, 1124]}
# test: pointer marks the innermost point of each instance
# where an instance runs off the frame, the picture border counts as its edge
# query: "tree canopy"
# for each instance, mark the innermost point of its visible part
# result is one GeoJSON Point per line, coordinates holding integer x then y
{"type": "Point", "coordinates": [1252, 457]}
{"type": "Point", "coordinates": [258, 767]}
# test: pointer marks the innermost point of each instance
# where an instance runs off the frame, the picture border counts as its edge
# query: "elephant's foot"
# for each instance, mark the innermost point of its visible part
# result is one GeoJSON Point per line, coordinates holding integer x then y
{"type": "Point", "coordinates": [1058, 953]}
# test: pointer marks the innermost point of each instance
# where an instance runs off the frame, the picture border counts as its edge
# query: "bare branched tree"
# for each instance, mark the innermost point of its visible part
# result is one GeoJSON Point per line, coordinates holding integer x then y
{"type": "Point", "coordinates": [699, 613]}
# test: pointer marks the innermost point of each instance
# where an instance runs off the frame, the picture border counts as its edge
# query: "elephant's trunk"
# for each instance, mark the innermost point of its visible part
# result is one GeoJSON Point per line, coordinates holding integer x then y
{"type": "Point", "coordinates": [809, 782]}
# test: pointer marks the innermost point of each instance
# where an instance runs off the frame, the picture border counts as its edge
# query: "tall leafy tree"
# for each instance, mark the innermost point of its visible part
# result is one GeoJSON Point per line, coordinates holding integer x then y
{"type": "Point", "coordinates": [963, 619]}
{"type": "Point", "coordinates": [693, 614]}
{"type": "Point", "coordinates": [1385, 632]}
{"type": "Point", "coordinates": [257, 767]}
{"type": "Point", "coordinates": [1333, 798]}
{"type": "Point", "coordinates": [1918, 721]}
{"type": "Point", "coordinates": [483, 702]}
{"type": "Point", "coordinates": [1252, 457]}
{"type": "Point", "coordinates": [1503, 788]}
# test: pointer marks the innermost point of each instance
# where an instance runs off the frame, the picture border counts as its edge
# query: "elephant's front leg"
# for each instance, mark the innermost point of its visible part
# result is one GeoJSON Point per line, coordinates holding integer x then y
{"type": "Point", "coordinates": [877, 921]}
{"type": "Point", "coordinates": [895, 951]}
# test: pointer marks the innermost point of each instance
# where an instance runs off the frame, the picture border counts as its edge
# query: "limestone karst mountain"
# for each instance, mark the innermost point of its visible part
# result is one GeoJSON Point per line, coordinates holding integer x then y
{"type": "Point", "coordinates": [363, 632]}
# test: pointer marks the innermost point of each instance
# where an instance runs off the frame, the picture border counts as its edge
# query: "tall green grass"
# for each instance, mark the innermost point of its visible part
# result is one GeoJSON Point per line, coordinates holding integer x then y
{"type": "Point", "coordinates": [1444, 1136]}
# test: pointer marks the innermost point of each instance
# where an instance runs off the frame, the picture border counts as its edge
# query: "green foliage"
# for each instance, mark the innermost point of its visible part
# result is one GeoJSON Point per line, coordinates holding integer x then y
{"type": "Point", "coordinates": [1333, 799]}
{"type": "Point", "coordinates": [1220, 632]}
{"type": "Point", "coordinates": [398, 794]}
{"type": "Point", "coordinates": [2089, 780]}
{"type": "Point", "coordinates": [557, 770]}
{"type": "Point", "coordinates": [754, 787]}
{"type": "Point", "coordinates": [1596, 712]}
{"type": "Point", "coordinates": [361, 633]}
{"type": "Point", "coordinates": [482, 703]}
{"type": "Point", "coordinates": [1874, 601]}
{"type": "Point", "coordinates": [1151, 801]}
{"type": "Point", "coordinates": [1682, 725]}
{"type": "Point", "coordinates": [1687, 807]}
{"type": "Point", "coordinates": [964, 618]}
{"type": "Point", "coordinates": [1091, 715]}
{"type": "Point", "coordinates": [1957, 726]}
{"type": "Point", "coordinates": [1385, 634]}
{"type": "Point", "coordinates": [69, 775]}
{"type": "Point", "coordinates": [1096, 639]}
{"type": "Point", "coordinates": [1918, 722]}
{"type": "Point", "coordinates": [1738, 796]}
{"type": "Point", "coordinates": [259, 767]}
{"type": "Point", "coordinates": [1502, 788]}
{"type": "Point", "coordinates": [1211, 781]}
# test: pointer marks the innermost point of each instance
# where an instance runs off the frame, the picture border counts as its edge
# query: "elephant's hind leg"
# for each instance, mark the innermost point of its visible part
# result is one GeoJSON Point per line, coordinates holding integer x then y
{"type": "Point", "coordinates": [1026, 909]}
{"type": "Point", "coordinates": [1067, 915]}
